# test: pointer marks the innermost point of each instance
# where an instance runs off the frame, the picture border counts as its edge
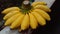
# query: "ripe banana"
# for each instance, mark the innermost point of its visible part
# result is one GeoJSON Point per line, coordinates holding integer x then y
{"type": "Point", "coordinates": [7, 10]}
{"type": "Point", "coordinates": [25, 22]}
{"type": "Point", "coordinates": [45, 8]}
{"type": "Point", "coordinates": [22, 19]}
{"type": "Point", "coordinates": [43, 14]}
{"type": "Point", "coordinates": [12, 19]}
{"type": "Point", "coordinates": [17, 22]}
{"type": "Point", "coordinates": [10, 14]}
{"type": "Point", "coordinates": [33, 21]}
{"type": "Point", "coordinates": [38, 3]}
{"type": "Point", "coordinates": [39, 18]}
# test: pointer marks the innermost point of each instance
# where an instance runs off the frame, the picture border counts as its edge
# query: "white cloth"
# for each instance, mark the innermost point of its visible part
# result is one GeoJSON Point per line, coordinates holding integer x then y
{"type": "Point", "coordinates": [7, 30]}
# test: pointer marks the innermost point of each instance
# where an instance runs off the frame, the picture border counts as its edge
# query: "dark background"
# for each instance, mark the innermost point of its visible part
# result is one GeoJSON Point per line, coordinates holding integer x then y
{"type": "Point", "coordinates": [52, 27]}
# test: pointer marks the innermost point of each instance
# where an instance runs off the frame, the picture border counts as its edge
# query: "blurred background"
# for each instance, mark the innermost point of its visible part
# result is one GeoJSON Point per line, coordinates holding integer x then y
{"type": "Point", "coordinates": [52, 27]}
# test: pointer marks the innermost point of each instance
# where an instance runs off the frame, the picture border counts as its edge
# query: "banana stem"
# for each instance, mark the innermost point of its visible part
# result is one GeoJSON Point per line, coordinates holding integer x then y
{"type": "Point", "coordinates": [26, 6]}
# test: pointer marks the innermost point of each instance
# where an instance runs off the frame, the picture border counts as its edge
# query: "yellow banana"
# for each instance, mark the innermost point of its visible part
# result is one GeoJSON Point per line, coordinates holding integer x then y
{"type": "Point", "coordinates": [25, 22]}
{"type": "Point", "coordinates": [33, 21]}
{"type": "Point", "coordinates": [43, 14]}
{"type": "Point", "coordinates": [45, 8]}
{"type": "Point", "coordinates": [39, 18]}
{"type": "Point", "coordinates": [17, 22]}
{"type": "Point", "coordinates": [10, 14]}
{"type": "Point", "coordinates": [38, 3]}
{"type": "Point", "coordinates": [7, 10]}
{"type": "Point", "coordinates": [12, 19]}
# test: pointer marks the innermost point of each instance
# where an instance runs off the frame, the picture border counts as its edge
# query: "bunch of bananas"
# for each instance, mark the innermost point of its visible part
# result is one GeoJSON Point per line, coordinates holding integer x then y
{"type": "Point", "coordinates": [15, 18]}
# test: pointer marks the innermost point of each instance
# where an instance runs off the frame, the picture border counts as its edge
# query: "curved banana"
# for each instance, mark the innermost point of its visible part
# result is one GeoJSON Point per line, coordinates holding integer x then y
{"type": "Point", "coordinates": [25, 22]}
{"type": "Point", "coordinates": [38, 3]}
{"type": "Point", "coordinates": [12, 19]}
{"type": "Point", "coordinates": [45, 8]}
{"type": "Point", "coordinates": [10, 14]}
{"type": "Point", "coordinates": [39, 18]}
{"type": "Point", "coordinates": [43, 14]}
{"type": "Point", "coordinates": [7, 10]}
{"type": "Point", "coordinates": [17, 22]}
{"type": "Point", "coordinates": [33, 21]}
